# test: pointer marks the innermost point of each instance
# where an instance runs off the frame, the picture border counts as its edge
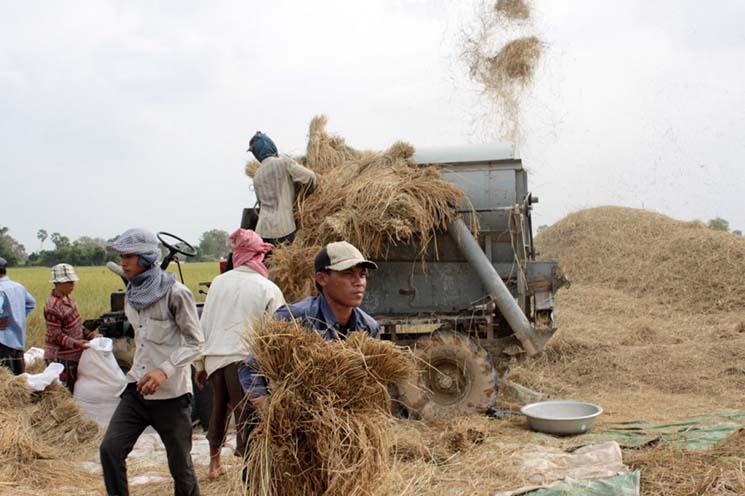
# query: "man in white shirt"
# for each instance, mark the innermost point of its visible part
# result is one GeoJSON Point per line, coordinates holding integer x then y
{"type": "Point", "coordinates": [274, 184]}
{"type": "Point", "coordinates": [237, 299]}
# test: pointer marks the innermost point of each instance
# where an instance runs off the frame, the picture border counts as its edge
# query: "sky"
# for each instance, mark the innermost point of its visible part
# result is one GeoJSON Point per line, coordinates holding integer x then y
{"type": "Point", "coordinates": [122, 114]}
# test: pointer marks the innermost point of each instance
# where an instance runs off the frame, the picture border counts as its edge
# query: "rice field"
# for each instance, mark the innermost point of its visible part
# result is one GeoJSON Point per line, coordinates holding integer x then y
{"type": "Point", "coordinates": [92, 292]}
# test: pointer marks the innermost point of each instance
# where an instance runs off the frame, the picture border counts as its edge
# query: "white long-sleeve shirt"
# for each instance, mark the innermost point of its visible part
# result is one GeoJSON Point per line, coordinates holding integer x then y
{"type": "Point", "coordinates": [274, 184]}
{"type": "Point", "coordinates": [168, 336]}
{"type": "Point", "coordinates": [236, 300]}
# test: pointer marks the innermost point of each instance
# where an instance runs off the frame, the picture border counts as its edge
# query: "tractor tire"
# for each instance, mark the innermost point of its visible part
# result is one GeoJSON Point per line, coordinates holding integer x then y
{"type": "Point", "coordinates": [455, 377]}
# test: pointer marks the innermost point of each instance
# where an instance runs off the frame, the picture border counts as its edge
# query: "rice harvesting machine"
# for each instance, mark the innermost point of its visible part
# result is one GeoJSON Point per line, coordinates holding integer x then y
{"type": "Point", "coordinates": [465, 303]}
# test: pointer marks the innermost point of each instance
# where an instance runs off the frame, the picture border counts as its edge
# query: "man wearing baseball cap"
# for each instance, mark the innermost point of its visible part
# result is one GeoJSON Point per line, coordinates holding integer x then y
{"type": "Point", "coordinates": [66, 337]}
{"type": "Point", "coordinates": [341, 279]}
{"type": "Point", "coordinates": [15, 305]}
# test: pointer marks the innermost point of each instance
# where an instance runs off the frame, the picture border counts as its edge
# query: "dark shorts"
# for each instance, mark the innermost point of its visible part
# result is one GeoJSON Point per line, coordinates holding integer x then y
{"type": "Point", "coordinates": [12, 359]}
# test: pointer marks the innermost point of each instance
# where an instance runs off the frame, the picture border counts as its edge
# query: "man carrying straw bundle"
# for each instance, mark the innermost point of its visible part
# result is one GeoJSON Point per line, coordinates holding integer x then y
{"type": "Point", "coordinates": [168, 337]}
{"type": "Point", "coordinates": [341, 279]}
{"type": "Point", "coordinates": [236, 300]}
{"type": "Point", "coordinates": [66, 338]}
{"type": "Point", "coordinates": [15, 305]}
{"type": "Point", "coordinates": [274, 184]}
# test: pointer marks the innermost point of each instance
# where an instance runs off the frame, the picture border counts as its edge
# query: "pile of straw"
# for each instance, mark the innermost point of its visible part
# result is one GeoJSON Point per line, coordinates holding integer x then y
{"type": "Point", "coordinates": [370, 199]}
{"type": "Point", "coordinates": [39, 432]}
{"type": "Point", "coordinates": [324, 430]}
{"type": "Point", "coordinates": [679, 264]}
{"type": "Point", "coordinates": [653, 324]}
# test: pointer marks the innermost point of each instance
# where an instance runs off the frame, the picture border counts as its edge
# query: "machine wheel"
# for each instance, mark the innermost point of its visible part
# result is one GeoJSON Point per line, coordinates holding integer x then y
{"type": "Point", "coordinates": [455, 377]}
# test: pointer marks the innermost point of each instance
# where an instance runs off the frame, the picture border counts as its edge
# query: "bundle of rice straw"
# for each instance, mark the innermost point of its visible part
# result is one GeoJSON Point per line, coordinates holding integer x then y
{"type": "Point", "coordinates": [513, 9]}
{"type": "Point", "coordinates": [370, 199]}
{"type": "Point", "coordinates": [39, 431]}
{"type": "Point", "coordinates": [325, 427]}
{"type": "Point", "coordinates": [501, 55]}
{"type": "Point", "coordinates": [511, 69]}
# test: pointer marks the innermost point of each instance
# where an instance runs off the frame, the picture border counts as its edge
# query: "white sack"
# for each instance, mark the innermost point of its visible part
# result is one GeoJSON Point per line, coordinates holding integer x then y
{"type": "Point", "coordinates": [100, 381]}
{"type": "Point", "coordinates": [33, 355]}
{"type": "Point", "coordinates": [39, 382]}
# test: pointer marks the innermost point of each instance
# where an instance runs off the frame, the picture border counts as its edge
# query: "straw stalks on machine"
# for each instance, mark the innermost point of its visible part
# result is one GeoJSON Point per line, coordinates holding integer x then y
{"type": "Point", "coordinates": [325, 427]}
{"type": "Point", "coordinates": [371, 199]}
{"type": "Point", "coordinates": [291, 267]}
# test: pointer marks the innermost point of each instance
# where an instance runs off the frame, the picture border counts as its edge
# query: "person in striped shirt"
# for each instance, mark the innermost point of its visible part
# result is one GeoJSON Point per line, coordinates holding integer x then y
{"type": "Point", "coordinates": [66, 336]}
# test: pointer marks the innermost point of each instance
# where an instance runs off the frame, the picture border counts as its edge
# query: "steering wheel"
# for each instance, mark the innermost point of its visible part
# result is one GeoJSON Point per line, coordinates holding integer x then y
{"type": "Point", "coordinates": [191, 252]}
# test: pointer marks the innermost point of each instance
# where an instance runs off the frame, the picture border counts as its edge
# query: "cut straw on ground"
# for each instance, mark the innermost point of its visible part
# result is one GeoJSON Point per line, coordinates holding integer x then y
{"type": "Point", "coordinates": [41, 434]}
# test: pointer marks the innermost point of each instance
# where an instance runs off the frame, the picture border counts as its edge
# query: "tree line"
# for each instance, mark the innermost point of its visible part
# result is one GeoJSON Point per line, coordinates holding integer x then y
{"type": "Point", "coordinates": [213, 245]}
{"type": "Point", "coordinates": [86, 250]}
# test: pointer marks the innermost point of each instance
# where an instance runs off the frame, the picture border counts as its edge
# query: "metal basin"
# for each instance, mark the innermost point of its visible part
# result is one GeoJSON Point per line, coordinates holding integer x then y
{"type": "Point", "coordinates": [563, 418]}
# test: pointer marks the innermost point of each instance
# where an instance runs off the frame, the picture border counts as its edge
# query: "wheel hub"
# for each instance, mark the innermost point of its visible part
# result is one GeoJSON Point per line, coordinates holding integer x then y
{"type": "Point", "coordinates": [447, 381]}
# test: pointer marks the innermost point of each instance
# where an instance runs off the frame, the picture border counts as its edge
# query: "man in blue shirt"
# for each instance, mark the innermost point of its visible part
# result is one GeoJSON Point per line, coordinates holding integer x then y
{"type": "Point", "coordinates": [341, 279]}
{"type": "Point", "coordinates": [15, 305]}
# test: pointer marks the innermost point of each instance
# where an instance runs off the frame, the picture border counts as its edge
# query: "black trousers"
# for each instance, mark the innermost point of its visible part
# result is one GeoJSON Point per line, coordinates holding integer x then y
{"type": "Point", "coordinates": [12, 359]}
{"type": "Point", "coordinates": [172, 421]}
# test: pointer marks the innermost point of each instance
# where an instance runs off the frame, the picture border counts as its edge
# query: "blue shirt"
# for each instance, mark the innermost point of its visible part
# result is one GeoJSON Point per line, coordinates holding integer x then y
{"type": "Point", "coordinates": [15, 305]}
{"type": "Point", "coordinates": [313, 313]}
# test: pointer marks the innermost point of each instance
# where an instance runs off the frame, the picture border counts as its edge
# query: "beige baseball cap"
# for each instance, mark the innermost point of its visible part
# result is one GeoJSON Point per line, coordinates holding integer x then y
{"type": "Point", "coordinates": [63, 273]}
{"type": "Point", "coordinates": [341, 255]}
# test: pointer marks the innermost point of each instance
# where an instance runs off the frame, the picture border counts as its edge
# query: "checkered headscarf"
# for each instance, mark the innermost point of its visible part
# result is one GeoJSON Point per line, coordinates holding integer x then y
{"type": "Point", "coordinates": [150, 286]}
{"type": "Point", "coordinates": [137, 241]}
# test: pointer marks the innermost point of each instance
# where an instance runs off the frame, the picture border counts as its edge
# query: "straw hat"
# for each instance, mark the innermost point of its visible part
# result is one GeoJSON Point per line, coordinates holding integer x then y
{"type": "Point", "coordinates": [63, 273]}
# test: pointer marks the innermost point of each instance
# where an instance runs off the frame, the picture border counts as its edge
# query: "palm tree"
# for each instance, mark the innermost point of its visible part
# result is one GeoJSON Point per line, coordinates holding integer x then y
{"type": "Point", "coordinates": [42, 236]}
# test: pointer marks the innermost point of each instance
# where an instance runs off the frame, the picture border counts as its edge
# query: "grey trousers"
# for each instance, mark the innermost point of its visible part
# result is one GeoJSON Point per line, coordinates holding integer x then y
{"type": "Point", "coordinates": [170, 418]}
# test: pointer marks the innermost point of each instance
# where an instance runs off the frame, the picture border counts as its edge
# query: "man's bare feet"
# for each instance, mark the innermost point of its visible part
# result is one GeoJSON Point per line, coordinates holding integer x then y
{"type": "Point", "coordinates": [217, 471]}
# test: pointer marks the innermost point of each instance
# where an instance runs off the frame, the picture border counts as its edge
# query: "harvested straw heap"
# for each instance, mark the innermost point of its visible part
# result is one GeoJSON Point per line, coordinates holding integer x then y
{"type": "Point", "coordinates": [680, 264]}
{"type": "Point", "coordinates": [654, 322]}
{"type": "Point", "coordinates": [371, 199]}
{"type": "Point", "coordinates": [38, 434]}
{"type": "Point", "coordinates": [325, 427]}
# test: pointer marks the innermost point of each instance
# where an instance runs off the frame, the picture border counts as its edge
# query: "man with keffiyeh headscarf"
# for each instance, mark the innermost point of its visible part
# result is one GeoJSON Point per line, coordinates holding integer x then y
{"type": "Point", "coordinates": [274, 185]}
{"type": "Point", "coordinates": [237, 299]}
{"type": "Point", "coordinates": [168, 339]}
